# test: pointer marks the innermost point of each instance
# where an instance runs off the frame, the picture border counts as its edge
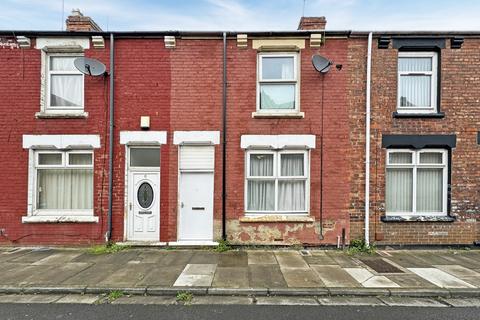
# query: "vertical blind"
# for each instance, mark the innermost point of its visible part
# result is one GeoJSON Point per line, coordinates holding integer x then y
{"type": "Point", "coordinates": [415, 81]}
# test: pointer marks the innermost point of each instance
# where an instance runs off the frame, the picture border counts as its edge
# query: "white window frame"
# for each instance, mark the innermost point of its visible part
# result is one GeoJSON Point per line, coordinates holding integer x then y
{"type": "Point", "coordinates": [295, 81]}
{"type": "Point", "coordinates": [433, 85]}
{"type": "Point", "coordinates": [63, 165]}
{"type": "Point", "coordinates": [61, 109]}
{"type": "Point", "coordinates": [414, 165]}
{"type": "Point", "coordinates": [278, 177]}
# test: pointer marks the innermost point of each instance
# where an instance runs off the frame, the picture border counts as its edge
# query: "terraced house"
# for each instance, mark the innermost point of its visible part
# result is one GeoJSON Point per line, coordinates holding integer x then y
{"type": "Point", "coordinates": [188, 137]}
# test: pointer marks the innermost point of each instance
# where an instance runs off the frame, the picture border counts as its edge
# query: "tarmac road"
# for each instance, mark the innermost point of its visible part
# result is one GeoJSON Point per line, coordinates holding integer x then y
{"type": "Point", "coordinates": [230, 312]}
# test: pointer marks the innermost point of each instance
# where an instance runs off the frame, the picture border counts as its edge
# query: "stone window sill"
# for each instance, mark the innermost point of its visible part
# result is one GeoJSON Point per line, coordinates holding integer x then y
{"type": "Point", "coordinates": [66, 115]}
{"type": "Point", "coordinates": [274, 115]}
{"type": "Point", "coordinates": [438, 115]}
{"type": "Point", "coordinates": [405, 218]}
{"type": "Point", "coordinates": [59, 219]}
{"type": "Point", "coordinates": [276, 218]}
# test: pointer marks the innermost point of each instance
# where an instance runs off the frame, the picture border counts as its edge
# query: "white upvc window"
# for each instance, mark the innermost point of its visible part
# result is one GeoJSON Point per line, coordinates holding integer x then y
{"type": "Point", "coordinates": [416, 182]}
{"type": "Point", "coordinates": [278, 83]}
{"type": "Point", "coordinates": [417, 82]}
{"type": "Point", "coordinates": [63, 183]}
{"type": "Point", "coordinates": [64, 84]}
{"type": "Point", "coordinates": [277, 182]}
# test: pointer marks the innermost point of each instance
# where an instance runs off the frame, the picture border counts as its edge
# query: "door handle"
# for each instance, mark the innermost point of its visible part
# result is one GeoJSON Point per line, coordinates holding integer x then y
{"type": "Point", "coordinates": [198, 208]}
{"type": "Point", "coordinates": [181, 205]}
{"type": "Point", "coordinates": [130, 206]}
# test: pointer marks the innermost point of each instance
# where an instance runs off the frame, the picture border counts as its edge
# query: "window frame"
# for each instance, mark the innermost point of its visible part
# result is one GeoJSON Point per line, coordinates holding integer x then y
{"type": "Point", "coordinates": [415, 165]}
{"type": "Point", "coordinates": [64, 165]}
{"type": "Point", "coordinates": [277, 177]}
{"type": "Point", "coordinates": [295, 81]}
{"type": "Point", "coordinates": [48, 108]}
{"type": "Point", "coordinates": [433, 108]}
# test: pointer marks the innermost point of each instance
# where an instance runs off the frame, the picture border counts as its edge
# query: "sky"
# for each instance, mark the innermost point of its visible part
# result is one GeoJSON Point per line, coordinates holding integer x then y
{"type": "Point", "coordinates": [244, 15]}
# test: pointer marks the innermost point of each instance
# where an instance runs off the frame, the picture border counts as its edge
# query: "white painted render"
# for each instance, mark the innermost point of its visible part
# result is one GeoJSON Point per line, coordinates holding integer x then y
{"type": "Point", "coordinates": [282, 141]}
{"type": "Point", "coordinates": [196, 137]}
{"type": "Point", "coordinates": [143, 137]}
{"type": "Point", "coordinates": [61, 141]}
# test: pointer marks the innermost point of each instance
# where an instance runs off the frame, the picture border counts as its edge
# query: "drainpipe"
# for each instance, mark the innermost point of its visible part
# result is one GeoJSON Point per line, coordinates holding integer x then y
{"type": "Point", "coordinates": [110, 148]}
{"type": "Point", "coordinates": [224, 139]}
{"type": "Point", "coordinates": [367, 143]}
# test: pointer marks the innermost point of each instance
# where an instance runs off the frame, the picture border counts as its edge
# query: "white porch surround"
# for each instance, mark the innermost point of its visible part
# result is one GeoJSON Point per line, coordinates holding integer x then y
{"type": "Point", "coordinates": [282, 141]}
{"type": "Point", "coordinates": [143, 137]}
{"type": "Point", "coordinates": [196, 137]}
{"type": "Point", "coordinates": [68, 141]}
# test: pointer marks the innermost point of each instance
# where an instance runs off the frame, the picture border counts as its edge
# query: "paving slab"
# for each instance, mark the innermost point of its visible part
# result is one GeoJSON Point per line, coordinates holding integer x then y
{"type": "Point", "coordinates": [129, 275]}
{"type": "Point", "coordinates": [406, 260]}
{"type": "Point", "coordinates": [411, 302]}
{"type": "Point", "coordinates": [319, 260]}
{"type": "Point", "coordinates": [13, 253]}
{"type": "Point", "coordinates": [233, 259]}
{"type": "Point", "coordinates": [161, 276]}
{"type": "Point", "coordinates": [458, 259]}
{"type": "Point", "coordinates": [30, 298]}
{"type": "Point", "coordinates": [475, 281]}
{"type": "Point", "coordinates": [18, 276]}
{"type": "Point", "coordinates": [350, 301]}
{"type": "Point", "coordinates": [360, 274]}
{"type": "Point", "coordinates": [51, 275]}
{"type": "Point", "coordinates": [458, 271]}
{"type": "Point", "coordinates": [343, 260]}
{"type": "Point", "coordinates": [286, 301]}
{"type": "Point", "coordinates": [290, 259]}
{"type": "Point", "coordinates": [301, 278]}
{"type": "Point", "coordinates": [145, 300]}
{"type": "Point", "coordinates": [261, 257]}
{"type": "Point", "coordinates": [266, 276]}
{"type": "Point", "coordinates": [440, 278]}
{"type": "Point", "coordinates": [200, 269]}
{"type": "Point", "coordinates": [410, 281]}
{"type": "Point", "coordinates": [196, 275]}
{"type": "Point", "coordinates": [463, 302]}
{"type": "Point", "coordinates": [79, 298]}
{"type": "Point", "coordinates": [335, 276]}
{"type": "Point", "coordinates": [92, 275]}
{"type": "Point", "coordinates": [33, 256]}
{"type": "Point", "coordinates": [204, 257]}
{"type": "Point", "coordinates": [213, 300]}
{"type": "Point", "coordinates": [118, 258]}
{"type": "Point", "coordinates": [379, 282]}
{"type": "Point", "coordinates": [151, 255]}
{"type": "Point", "coordinates": [175, 258]}
{"type": "Point", "coordinates": [59, 258]}
{"type": "Point", "coordinates": [231, 277]}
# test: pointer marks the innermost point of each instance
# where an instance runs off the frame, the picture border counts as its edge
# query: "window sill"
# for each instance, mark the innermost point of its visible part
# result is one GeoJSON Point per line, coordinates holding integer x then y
{"type": "Point", "coordinates": [412, 218]}
{"type": "Point", "coordinates": [273, 115]}
{"type": "Point", "coordinates": [418, 115]}
{"type": "Point", "coordinates": [63, 115]}
{"type": "Point", "coordinates": [276, 218]}
{"type": "Point", "coordinates": [60, 219]}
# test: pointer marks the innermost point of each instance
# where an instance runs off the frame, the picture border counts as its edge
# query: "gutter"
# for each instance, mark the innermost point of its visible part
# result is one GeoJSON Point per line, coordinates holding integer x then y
{"type": "Point", "coordinates": [367, 142]}
{"type": "Point", "coordinates": [224, 139]}
{"type": "Point", "coordinates": [108, 236]}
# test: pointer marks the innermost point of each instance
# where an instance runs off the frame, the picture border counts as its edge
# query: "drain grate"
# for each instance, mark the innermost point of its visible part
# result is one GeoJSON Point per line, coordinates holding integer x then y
{"type": "Point", "coordinates": [381, 266]}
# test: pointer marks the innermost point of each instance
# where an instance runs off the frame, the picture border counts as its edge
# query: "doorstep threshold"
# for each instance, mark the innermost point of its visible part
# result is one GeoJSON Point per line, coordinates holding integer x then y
{"type": "Point", "coordinates": [172, 243]}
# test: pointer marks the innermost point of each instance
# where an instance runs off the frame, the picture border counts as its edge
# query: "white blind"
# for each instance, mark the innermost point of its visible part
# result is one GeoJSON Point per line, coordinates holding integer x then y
{"type": "Point", "coordinates": [197, 157]}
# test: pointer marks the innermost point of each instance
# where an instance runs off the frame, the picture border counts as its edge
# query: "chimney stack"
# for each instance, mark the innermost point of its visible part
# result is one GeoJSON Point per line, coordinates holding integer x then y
{"type": "Point", "coordinates": [312, 23]}
{"type": "Point", "coordinates": [76, 21]}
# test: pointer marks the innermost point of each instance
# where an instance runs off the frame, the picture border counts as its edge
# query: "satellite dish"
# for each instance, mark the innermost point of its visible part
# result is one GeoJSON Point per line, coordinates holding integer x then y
{"type": "Point", "coordinates": [89, 66]}
{"type": "Point", "coordinates": [321, 64]}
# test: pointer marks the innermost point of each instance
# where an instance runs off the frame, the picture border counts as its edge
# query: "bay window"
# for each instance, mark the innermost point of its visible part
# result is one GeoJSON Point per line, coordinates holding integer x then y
{"type": "Point", "coordinates": [417, 82]}
{"type": "Point", "coordinates": [416, 182]}
{"type": "Point", "coordinates": [277, 182]}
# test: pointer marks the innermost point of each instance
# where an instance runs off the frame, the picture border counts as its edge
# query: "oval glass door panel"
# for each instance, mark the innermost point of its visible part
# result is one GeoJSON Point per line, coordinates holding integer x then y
{"type": "Point", "coordinates": [145, 195]}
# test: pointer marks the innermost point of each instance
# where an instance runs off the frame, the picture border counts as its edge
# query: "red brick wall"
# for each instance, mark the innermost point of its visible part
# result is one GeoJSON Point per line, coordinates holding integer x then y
{"type": "Point", "coordinates": [459, 100]}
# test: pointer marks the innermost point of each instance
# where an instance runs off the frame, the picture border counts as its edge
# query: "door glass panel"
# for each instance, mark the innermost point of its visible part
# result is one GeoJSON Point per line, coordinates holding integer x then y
{"type": "Point", "coordinates": [145, 157]}
{"type": "Point", "coordinates": [145, 195]}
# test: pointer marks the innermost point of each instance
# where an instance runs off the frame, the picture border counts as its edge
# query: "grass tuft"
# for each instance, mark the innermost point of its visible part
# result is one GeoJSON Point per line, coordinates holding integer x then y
{"type": "Point", "coordinates": [114, 295]}
{"type": "Point", "coordinates": [107, 248]}
{"type": "Point", "coordinates": [223, 246]}
{"type": "Point", "coordinates": [358, 246]}
{"type": "Point", "coordinates": [184, 297]}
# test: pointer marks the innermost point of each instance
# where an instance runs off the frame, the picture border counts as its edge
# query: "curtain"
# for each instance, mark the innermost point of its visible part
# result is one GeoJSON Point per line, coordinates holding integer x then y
{"type": "Point", "coordinates": [415, 90]}
{"type": "Point", "coordinates": [65, 188]}
{"type": "Point", "coordinates": [277, 96]}
{"type": "Point", "coordinates": [261, 193]}
{"type": "Point", "coordinates": [429, 190]}
{"type": "Point", "coordinates": [276, 68]}
{"type": "Point", "coordinates": [291, 194]}
{"type": "Point", "coordinates": [399, 190]}
{"type": "Point", "coordinates": [65, 89]}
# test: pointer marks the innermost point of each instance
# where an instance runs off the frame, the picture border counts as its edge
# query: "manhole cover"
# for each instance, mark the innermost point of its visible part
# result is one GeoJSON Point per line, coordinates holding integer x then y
{"type": "Point", "coordinates": [381, 266]}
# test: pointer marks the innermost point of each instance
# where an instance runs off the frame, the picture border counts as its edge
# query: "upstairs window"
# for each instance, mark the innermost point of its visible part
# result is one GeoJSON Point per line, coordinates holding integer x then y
{"type": "Point", "coordinates": [417, 82]}
{"type": "Point", "coordinates": [64, 84]}
{"type": "Point", "coordinates": [416, 182]}
{"type": "Point", "coordinates": [277, 87]}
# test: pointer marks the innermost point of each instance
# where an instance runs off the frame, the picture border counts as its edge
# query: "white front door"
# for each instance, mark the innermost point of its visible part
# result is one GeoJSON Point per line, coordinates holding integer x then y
{"type": "Point", "coordinates": [144, 206]}
{"type": "Point", "coordinates": [196, 206]}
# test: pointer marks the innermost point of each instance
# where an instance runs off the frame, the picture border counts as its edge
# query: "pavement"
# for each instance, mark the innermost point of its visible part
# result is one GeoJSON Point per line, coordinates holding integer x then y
{"type": "Point", "coordinates": [261, 274]}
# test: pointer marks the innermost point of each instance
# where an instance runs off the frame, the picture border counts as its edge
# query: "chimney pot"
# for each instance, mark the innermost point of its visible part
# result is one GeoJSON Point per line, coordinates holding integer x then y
{"type": "Point", "coordinates": [312, 23]}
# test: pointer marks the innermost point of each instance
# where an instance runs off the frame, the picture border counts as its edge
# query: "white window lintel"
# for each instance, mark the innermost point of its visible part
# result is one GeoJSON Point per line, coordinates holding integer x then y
{"type": "Point", "coordinates": [59, 141]}
{"type": "Point", "coordinates": [143, 137]}
{"type": "Point", "coordinates": [196, 137]}
{"type": "Point", "coordinates": [283, 141]}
